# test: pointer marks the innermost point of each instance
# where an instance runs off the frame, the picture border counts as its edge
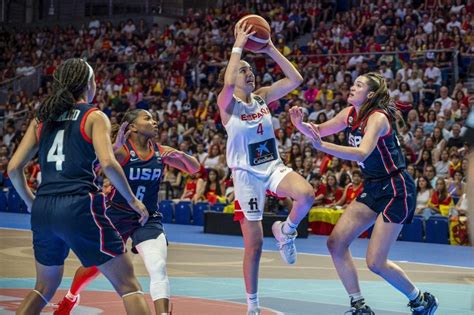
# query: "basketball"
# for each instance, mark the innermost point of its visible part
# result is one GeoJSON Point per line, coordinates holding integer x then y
{"type": "Point", "coordinates": [258, 40]}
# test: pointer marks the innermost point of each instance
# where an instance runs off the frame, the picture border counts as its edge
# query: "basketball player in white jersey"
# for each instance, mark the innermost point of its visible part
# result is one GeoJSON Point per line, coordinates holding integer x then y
{"type": "Point", "coordinates": [252, 155]}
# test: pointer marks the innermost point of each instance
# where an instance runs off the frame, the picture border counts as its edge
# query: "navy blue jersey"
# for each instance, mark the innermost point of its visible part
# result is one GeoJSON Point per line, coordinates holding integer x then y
{"type": "Point", "coordinates": [143, 176]}
{"type": "Point", "coordinates": [66, 154]}
{"type": "Point", "coordinates": [387, 157]}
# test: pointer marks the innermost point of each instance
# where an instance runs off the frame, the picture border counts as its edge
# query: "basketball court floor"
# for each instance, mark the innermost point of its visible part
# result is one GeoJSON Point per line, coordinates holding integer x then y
{"type": "Point", "coordinates": [206, 275]}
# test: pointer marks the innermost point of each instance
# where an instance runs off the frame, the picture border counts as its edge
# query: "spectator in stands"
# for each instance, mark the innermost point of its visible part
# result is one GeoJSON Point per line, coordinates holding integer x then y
{"type": "Point", "coordinates": [433, 72]}
{"type": "Point", "coordinates": [444, 99]}
{"type": "Point", "coordinates": [456, 186]}
{"type": "Point", "coordinates": [215, 159]}
{"type": "Point", "coordinates": [193, 184]}
{"type": "Point", "coordinates": [440, 198]}
{"type": "Point", "coordinates": [213, 188]}
{"type": "Point", "coordinates": [173, 179]}
{"type": "Point", "coordinates": [424, 159]}
{"type": "Point", "coordinates": [352, 190]}
{"type": "Point", "coordinates": [442, 166]}
{"type": "Point", "coordinates": [405, 96]}
{"type": "Point", "coordinates": [456, 140]}
{"type": "Point", "coordinates": [424, 190]}
{"type": "Point", "coordinates": [429, 124]}
{"type": "Point", "coordinates": [331, 191]}
{"type": "Point", "coordinates": [430, 173]}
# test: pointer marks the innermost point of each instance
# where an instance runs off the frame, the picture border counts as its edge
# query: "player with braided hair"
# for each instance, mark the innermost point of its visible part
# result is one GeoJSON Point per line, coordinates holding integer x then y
{"type": "Point", "coordinates": [68, 211]}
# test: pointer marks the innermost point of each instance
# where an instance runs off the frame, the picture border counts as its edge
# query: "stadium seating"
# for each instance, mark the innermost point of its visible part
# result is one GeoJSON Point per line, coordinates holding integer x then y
{"type": "Point", "coordinates": [198, 212]}
{"type": "Point", "coordinates": [413, 232]}
{"type": "Point", "coordinates": [437, 230]}
{"type": "Point", "coordinates": [182, 212]}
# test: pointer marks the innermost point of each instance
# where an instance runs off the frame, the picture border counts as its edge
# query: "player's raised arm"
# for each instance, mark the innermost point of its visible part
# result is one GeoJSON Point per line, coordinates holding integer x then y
{"type": "Point", "coordinates": [234, 67]}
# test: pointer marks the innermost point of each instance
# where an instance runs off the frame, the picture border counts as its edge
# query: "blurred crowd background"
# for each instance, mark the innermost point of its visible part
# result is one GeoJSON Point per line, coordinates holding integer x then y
{"type": "Point", "coordinates": [425, 50]}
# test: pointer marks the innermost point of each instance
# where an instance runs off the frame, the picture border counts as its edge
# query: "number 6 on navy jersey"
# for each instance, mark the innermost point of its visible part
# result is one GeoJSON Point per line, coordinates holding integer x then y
{"type": "Point", "coordinates": [55, 153]}
{"type": "Point", "coordinates": [140, 193]}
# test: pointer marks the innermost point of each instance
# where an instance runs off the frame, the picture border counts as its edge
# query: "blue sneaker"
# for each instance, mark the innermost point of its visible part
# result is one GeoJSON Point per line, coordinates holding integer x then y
{"type": "Point", "coordinates": [359, 308]}
{"type": "Point", "coordinates": [427, 304]}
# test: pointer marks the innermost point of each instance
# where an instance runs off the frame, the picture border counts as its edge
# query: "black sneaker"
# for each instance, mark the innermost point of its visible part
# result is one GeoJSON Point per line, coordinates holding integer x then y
{"type": "Point", "coordinates": [359, 308]}
{"type": "Point", "coordinates": [427, 305]}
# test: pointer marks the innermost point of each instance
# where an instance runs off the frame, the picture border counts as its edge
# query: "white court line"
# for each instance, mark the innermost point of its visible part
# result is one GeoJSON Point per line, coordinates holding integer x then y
{"type": "Point", "coordinates": [320, 255]}
{"type": "Point", "coordinates": [270, 250]}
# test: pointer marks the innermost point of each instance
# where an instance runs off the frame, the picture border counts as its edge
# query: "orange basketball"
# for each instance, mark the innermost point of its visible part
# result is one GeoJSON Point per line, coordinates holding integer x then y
{"type": "Point", "coordinates": [260, 26]}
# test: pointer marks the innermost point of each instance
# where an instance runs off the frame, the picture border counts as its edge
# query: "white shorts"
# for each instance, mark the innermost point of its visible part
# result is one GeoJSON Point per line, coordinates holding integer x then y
{"type": "Point", "coordinates": [250, 191]}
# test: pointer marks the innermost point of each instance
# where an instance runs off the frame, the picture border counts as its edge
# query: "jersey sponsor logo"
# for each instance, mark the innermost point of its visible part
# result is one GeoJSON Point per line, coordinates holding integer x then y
{"type": "Point", "coordinates": [354, 140]}
{"type": "Point", "coordinates": [248, 117]}
{"type": "Point", "coordinates": [253, 204]}
{"type": "Point", "coordinates": [262, 152]}
{"type": "Point", "coordinates": [144, 173]}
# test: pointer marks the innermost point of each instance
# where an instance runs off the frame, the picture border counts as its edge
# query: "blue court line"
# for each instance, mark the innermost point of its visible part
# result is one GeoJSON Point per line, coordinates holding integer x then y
{"type": "Point", "coordinates": [425, 253]}
{"type": "Point", "coordinates": [292, 296]}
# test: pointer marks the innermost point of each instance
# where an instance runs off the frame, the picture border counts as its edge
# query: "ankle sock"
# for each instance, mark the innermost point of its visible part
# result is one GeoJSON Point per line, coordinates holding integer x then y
{"type": "Point", "coordinates": [356, 297]}
{"type": "Point", "coordinates": [71, 296]}
{"type": "Point", "coordinates": [289, 227]}
{"type": "Point", "coordinates": [252, 301]}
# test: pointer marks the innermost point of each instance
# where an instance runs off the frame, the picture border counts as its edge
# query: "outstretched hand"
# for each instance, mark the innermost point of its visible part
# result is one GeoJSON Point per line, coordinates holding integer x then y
{"type": "Point", "coordinates": [315, 136]}
{"type": "Point", "coordinates": [122, 136]}
{"type": "Point", "coordinates": [265, 49]}
{"type": "Point", "coordinates": [296, 116]}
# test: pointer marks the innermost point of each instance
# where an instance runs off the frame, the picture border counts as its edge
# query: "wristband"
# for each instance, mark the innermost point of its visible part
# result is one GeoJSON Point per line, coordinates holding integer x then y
{"type": "Point", "coordinates": [237, 50]}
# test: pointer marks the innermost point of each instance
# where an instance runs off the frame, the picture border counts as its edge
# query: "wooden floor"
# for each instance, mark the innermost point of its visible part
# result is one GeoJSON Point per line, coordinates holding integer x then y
{"type": "Point", "coordinates": [17, 261]}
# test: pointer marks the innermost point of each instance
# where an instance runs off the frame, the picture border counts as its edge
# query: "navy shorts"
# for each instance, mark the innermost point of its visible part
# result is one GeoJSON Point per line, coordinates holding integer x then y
{"type": "Point", "coordinates": [77, 222]}
{"type": "Point", "coordinates": [126, 221]}
{"type": "Point", "coordinates": [394, 197]}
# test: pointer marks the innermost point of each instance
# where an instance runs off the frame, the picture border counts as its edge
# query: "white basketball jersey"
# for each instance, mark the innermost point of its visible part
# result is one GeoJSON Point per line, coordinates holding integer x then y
{"type": "Point", "coordinates": [251, 143]}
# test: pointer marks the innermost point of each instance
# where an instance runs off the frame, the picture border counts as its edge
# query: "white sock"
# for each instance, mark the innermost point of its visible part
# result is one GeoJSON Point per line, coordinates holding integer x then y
{"type": "Point", "coordinates": [252, 301]}
{"type": "Point", "coordinates": [356, 297]}
{"type": "Point", "coordinates": [289, 227]}
{"type": "Point", "coordinates": [414, 294]}
{"type": "Point", "coordinates": [71, 296]}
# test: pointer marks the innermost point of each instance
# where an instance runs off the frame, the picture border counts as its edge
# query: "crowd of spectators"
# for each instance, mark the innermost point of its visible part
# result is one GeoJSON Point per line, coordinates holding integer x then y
{"type": "Point", "coordinates": [172, 71]}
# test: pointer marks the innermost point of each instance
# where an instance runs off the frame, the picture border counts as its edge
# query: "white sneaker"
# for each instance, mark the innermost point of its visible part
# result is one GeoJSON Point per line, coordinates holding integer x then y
{"type": "Point", "coordinates": [254, 312]}
{"type": "Point", "coordinates": [286, 243]}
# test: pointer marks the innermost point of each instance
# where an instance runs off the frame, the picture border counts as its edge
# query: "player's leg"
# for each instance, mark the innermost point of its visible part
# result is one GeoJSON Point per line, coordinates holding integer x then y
{"type": "Point", "coordinates": [249, 205]}
{"type": "Point", "coordinates": [357, 218]}
{"type": "Point", "coordinates": [293, 185]}
{"type": "Point", "coordinates": [119, 271]}
{"type": "Point", "coordinates": [252, 232]}
{"type": "Point", "coordinates": [48, 279]}
{"type": "Point", "coordinates": [96, 242]}
{"type": "Point", "coordinates": [288, 183]}
{"type": "Point", "coordinates": [397, 211]}
{"type": "Point", "coordinates": [154, 253]}
{"type": "Point", "coordinates": [82, 278]}
{"type": "Point", "coordinates": [50, 252]}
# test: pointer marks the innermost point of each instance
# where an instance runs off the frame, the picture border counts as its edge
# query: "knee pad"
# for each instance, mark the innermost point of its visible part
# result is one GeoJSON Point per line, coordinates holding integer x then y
{"type": "Point", "coordinates": [153, 253]}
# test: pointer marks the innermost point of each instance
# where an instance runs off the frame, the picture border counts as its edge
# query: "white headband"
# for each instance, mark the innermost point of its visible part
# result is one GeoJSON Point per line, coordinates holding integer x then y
{"type": "Point", "coordinates": [91, 71]}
